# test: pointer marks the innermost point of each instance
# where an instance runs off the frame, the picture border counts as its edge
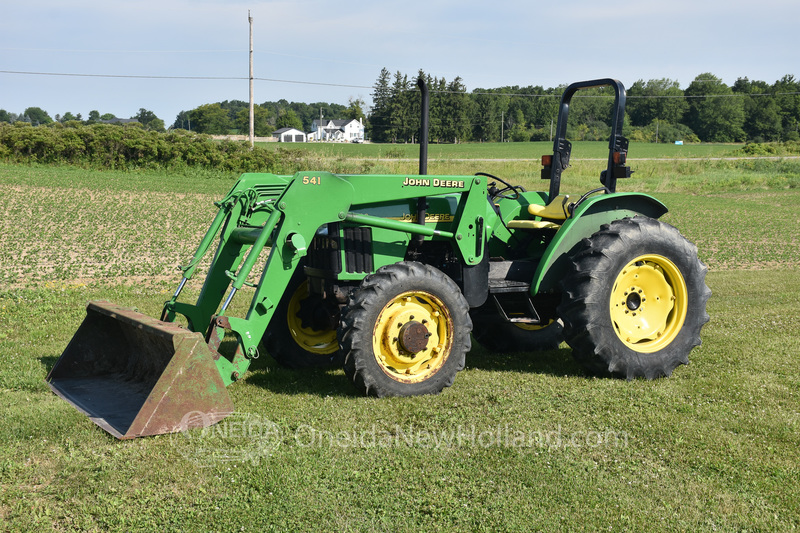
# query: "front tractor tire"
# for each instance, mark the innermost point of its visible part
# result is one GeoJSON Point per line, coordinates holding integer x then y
{"type": "Point", "coordinates": [405, 331]}
{"type": "Point", "coordinates": [634, 299]}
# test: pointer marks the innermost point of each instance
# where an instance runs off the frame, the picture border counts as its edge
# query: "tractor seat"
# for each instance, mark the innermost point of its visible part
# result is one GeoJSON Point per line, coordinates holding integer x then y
{"type": "Point", "coordinates": [557, 210]}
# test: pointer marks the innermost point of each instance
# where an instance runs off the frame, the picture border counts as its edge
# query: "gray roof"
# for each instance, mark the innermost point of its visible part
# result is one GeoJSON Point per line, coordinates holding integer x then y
{"type": "Point", "coordinates": [284, 130]}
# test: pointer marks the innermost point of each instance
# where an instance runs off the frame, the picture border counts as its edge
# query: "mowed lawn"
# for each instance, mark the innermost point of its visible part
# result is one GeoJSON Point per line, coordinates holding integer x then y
{"type": "Point", "coordinates": [522, 441]}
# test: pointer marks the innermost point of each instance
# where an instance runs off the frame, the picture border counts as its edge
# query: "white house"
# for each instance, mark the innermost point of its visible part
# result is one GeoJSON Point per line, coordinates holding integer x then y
{"type": "Point", "coordinates": [347, 130]}
{"type": "Point", "coordinates": [289, 135]}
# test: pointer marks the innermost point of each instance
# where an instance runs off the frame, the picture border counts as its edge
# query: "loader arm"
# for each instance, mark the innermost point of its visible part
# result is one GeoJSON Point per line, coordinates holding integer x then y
{"type": "Point", "coordinates": [287, 223]}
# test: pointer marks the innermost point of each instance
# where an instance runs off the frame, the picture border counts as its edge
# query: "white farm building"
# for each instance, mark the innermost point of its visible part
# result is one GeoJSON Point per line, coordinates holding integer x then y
{"type": "Point", "coordinates": [289, 135]}
{"type": "Point", "coordinates": [346, 130]}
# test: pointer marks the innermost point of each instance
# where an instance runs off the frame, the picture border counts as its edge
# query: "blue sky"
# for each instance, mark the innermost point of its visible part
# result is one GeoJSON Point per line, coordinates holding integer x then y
{"type": "Point", "coordinates": [488, 44]}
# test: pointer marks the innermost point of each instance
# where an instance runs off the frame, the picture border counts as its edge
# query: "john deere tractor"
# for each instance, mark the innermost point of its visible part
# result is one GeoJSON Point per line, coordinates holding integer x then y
{"type": "Point", "coordinates": [391, 276]}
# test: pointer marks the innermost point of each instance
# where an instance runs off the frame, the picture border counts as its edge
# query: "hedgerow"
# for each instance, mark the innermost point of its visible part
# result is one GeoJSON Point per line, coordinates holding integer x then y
{"type": "Point", "coordinates": [787, 148]}
{"type": "Point", "coordinates": [130, 147]}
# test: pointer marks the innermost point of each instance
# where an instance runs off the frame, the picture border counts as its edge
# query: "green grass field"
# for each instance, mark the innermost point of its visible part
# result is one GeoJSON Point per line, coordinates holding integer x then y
{"type": "Point", "coordinates": [524, 150]}
{"type": "Point", "coordinates": [521, 442]}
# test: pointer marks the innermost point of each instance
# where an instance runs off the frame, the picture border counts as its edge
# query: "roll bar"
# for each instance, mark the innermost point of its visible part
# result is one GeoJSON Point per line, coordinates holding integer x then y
{"type": "Point", "coordinates": [617, 144]}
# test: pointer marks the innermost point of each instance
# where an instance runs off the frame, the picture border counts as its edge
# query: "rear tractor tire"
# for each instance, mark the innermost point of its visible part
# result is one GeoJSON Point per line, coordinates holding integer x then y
{"type": "Point", "coordinates": [634, 300]}
{"type": "Point", "coordinates": [405, 331]}
{"type": "Point", "coordinates": [295, 342]}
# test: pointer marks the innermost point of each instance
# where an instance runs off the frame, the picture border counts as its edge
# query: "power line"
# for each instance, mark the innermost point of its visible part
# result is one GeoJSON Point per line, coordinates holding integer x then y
{"type": "Point", "coordinates": [351, 86]}
{"type": "Point", "coordinates": [126, 76]}
{"type": "Point", "coordinates": [221, 51]}
{"type": "Point", "coordinates": [56, 50]}
{"type": "Point", "coordinates": [151, 77]}
{"type": "Point", "coordinates": [317, 83]}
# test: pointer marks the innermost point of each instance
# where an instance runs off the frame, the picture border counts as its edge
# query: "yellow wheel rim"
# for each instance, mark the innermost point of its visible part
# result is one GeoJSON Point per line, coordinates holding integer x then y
{"type": "Point", "coordinates": [533, 327]}
{"type": "Point", "coordinates": [413, 336]}
{"type": "Point", "coordinates": [649, 302]}
{"type": "Point", "coordinates": [320, 342]}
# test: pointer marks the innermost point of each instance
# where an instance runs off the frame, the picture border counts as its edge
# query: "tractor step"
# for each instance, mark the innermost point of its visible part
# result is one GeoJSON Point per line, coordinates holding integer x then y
{"type": "Point", "coordinates": [510, 276]}
{"type": "Point", "coordinates": [507, 286]}
{"type": "Point", "coordinates": [510, 291]}
{"type": "Point", "coordinates": [518, 309]}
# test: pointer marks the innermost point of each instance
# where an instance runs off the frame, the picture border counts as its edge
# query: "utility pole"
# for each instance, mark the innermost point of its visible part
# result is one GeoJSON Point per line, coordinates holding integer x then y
{"type": "Point", "coordinates": [502, 124]}
{"type": "Point", "coordinates": [252, 116]}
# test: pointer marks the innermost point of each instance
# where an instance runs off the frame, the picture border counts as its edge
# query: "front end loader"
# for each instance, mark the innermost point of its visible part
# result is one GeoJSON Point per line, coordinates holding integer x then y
{"type": "Point", "coordinates": [391, 277]}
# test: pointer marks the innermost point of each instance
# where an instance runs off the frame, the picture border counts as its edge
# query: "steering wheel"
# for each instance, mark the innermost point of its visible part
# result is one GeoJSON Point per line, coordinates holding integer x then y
{"type": "Point", "coordinates": [494, 192]}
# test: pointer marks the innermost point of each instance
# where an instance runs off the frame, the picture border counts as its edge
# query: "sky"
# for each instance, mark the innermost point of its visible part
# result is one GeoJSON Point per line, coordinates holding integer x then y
{"type": "Point", "coordinates": [332, 51]}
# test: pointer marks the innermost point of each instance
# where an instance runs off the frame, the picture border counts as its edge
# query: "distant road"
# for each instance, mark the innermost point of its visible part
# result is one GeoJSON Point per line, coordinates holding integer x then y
{"type": "Point", "coordinates": [537, 159]}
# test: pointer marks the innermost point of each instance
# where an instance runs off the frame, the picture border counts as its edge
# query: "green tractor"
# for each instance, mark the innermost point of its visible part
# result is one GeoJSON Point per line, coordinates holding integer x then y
{"type": "Point", "coordinates": [391, 277]}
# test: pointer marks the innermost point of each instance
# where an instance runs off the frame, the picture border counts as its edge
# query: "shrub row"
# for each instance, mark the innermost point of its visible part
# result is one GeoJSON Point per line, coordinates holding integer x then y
{"type": "Point", "coordinates": [788, 148]}
{"type": "Point", "coordinates": [130, 147]}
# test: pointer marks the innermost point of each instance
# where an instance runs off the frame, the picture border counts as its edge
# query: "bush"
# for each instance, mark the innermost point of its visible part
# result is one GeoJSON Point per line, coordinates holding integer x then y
{"type": "Point", "coordinates": [769, 149]}
{"type": "Point", "coordinates": [130, 147]}
{"type": "Point", "coordinates": [540, 134]}
{"type": "Point", "coordinates": [664, 131]}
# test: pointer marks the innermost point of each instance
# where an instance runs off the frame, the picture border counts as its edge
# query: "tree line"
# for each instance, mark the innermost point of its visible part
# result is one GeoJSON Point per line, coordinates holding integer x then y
{"type": "Point", "coordinates": [36, 116]}
{"type": "Point", "coordinates": [658, 110]}
{"type": "Point", "coordinates": [234, 115]}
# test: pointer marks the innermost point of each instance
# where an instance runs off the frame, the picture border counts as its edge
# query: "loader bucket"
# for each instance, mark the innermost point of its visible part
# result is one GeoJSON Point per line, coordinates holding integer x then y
{"type": "Point", "coordinates": [135, 376]}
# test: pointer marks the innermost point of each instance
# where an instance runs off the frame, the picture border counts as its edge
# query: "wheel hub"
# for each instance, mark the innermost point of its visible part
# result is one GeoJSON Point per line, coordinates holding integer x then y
{"type": "Point", "coordinates": [633, 301]}
{"type": "Point", "coordinates": [413, 337]}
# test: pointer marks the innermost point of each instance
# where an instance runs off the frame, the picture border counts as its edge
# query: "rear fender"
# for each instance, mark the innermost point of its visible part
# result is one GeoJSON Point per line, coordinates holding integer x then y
{"type": "Point", "coordinates": [586, 220]}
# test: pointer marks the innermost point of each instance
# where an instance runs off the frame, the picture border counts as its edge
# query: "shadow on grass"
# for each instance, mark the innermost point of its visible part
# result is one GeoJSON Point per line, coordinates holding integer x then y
{"type": "Point", "coordinates": [49, 361]}
{"type": "Point", "coordinates": [265, 372]}
{"type": "Point", "coordinates": [552, 362]}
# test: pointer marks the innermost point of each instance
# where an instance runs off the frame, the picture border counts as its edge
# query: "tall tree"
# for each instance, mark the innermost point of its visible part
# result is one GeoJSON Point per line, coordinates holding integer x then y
{"type": "Point", "coordinates": [458, 108]}
{"type": "Point", "coordinates": [380, 119]}
{"type": "Point", "coordinates": [149, 120]}
{"type": "Point", "coordinates": [289, 119]}
{"type": "Point", "coordinates": [591, 106]}
{"type": "Point", "coordinates": [183, 121]}
{"type": "Point", "coordinates": [400, 109]}
{"type": "Point", "coordinates": [355, 109]}
{"type": "Point", "coordinates": [486, 116]}
{"type": "Point", "coordinates": [37, 115]}
{"type": "Point", "coordinates": [438, 112]}
{"type": "Point", "coordinates": [714, 114]}
{"type": "Point", "coordinates": [68, 117]}
{"type": "Point", "coordinates": [210, 118]}
{"type": "Point", "coordinates": [261, 124]}
{"type": "Point", "coordinates": [787, 96]}
{"type": "Point", "coordinates": [660, 99]}
{"type": "Point", "coordinates": [518, 131]}
{"type": "Point", "coordinates": [762, 114]}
